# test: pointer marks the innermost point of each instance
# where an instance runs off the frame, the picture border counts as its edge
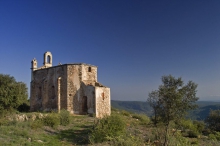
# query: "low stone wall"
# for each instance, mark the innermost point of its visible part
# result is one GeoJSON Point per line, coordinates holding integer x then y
{"type": "Point", "coordinates": [26, 117]}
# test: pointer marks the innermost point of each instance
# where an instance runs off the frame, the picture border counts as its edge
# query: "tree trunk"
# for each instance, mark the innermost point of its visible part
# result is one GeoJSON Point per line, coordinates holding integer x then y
{"type": "Point", "coordinates": [166, 142]}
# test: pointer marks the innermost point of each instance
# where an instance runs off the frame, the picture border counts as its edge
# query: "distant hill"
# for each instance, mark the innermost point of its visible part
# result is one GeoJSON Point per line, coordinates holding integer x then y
{"type": "Point", "coordinates": [133, 106]}
{"type": "Point", "coordinates": [204, 108]}
{"type": "Point", "coordinates": [143, 107]}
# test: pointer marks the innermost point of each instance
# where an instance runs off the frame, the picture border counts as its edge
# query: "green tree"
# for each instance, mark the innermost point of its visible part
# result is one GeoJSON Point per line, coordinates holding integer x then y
{"type": "Point", "coordinates": [213, 120]}
{"type": "Point", "coordinates": [12, 93]}
{"type": "Point", "coordinates": [171, 102]}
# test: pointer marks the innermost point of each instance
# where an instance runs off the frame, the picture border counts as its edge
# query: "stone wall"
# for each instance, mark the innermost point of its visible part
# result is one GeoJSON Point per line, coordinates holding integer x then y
{"type": "Point", "coordinates": [80, 78]}
{"type": "Point", "coordinates": [89, 73]}
{"type": "Point", "coordinates": [73, 88]}
{"type": "Point", "coordinates": [44, 89]}
{"type": "Point", "coordinates": [103, 102]}
{"type": "Point", "coordinates": [70, 86]}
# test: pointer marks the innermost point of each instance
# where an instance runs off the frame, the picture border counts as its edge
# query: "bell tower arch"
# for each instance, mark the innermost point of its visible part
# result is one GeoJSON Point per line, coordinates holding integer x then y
{"type": "Point", "coordinates": [47, 59]}
{"type": "Point", "coordinates": [34, 64]}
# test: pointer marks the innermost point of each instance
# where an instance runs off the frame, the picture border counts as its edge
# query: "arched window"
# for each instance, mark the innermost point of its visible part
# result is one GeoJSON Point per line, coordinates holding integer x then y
{"type": "Point", "coordinates": [89, 69]}
{"type": "Point", "coordinates": [48, 59]}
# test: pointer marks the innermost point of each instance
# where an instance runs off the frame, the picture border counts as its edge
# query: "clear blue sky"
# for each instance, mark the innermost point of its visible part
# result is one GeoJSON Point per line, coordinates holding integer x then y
{"type": "Point", "coordinates": [133, 43]}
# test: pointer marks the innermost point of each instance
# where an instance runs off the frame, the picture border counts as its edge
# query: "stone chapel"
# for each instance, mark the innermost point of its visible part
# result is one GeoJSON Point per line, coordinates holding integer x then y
{"type": "Point", "coordinates": [72, 86]}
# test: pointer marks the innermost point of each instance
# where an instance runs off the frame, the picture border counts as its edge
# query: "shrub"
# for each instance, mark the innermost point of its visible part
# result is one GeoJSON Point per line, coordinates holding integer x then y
{"type": "Point", "coordinates": [213, 120]}
{"type": "Point", "coordinates": [127, 140]}
{"type": "Point", "coordinates": [186, 125]}
{"type": "Point", "coordinates": [196, 142]}
{"type": "Point", "coordinates": [107, 128]}
{"type": "Point", "coordinates": [212, 137]}
{"type": "Point", "coordinates": [191, 128]}
{"type": "Point", "coordinates": [200, 125]}
{"type": "Point", "coordinates": [51, 120]}
{"type": "Point", "coordinates": [143, 118]}
{"type": "Point", "coordinates": [215, 136]}
{"type": "Point", "coordinates": [5, 113]}
{"type": "Point", "coordinates": [193, 133]}
{"type": "Point", "coordinates": [36, 124]}
{"type": "Point", "coordinates": [125, 113]}
{"type": "Point", "coordinates": [179, 140]}
{"type": "Point", "coordinates": [64, 117]}
{"type": "Point", "coordinates": [3, 121]}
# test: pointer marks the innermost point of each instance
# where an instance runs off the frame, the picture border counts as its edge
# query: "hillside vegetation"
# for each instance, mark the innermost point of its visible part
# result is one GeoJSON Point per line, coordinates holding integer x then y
{"type": "Point", "coordinates": [122, 128]}
{"type": "Point", "coordinates": [168, 125]}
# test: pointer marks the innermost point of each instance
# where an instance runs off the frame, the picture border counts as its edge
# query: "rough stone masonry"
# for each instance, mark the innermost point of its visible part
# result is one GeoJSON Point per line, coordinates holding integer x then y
{"type": "Point", "coordinates": [73, 87]}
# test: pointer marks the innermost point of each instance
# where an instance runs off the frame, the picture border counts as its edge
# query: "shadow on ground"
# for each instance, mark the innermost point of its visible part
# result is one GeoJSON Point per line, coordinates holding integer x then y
{"type": "Point", "coordinates": [79, 136]}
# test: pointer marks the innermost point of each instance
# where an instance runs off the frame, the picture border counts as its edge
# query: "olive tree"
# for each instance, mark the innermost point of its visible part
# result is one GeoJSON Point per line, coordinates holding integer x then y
{"type": "Point", "coordinates": [171, 101]}
{"type": "Point", "coordinates": [12, 93]}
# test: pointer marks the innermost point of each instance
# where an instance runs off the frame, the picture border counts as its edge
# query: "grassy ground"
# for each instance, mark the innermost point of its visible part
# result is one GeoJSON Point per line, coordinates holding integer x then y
{"type": "Point", "coordinates": [23, 133]}
{"type": "Point", "coordinates": [77, 133]}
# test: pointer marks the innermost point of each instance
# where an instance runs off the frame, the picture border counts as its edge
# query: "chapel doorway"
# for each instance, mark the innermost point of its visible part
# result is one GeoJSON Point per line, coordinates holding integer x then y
{"type": "Point", "coordinates": [84, 105]}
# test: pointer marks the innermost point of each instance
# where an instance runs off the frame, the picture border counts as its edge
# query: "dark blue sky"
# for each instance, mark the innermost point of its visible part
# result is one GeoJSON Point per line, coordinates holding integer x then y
{"type": "Point", "coordinates": [133, 43]}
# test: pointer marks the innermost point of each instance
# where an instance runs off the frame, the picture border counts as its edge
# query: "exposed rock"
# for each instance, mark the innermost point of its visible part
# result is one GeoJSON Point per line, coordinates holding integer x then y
{"type": "Point", "coordinates": [29, 139]}
{"type": "Point", "coordinates": [22, 117]}
{"type": "Point", "coordinates": [40, 141]}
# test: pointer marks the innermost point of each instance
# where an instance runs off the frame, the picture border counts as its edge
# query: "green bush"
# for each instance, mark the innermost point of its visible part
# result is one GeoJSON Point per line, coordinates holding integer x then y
{"type": "Point", "coordinates": [193, 133]}
{"type": "Point", "coordinates": [191, 128]}
{"type": "Point", "coordinates": [36, 124]}
{"type": "Point", "coordinates": [51, 120]}
{"type": "Point", "coordinates": [127, 140]}
{"type": "Point", "coordinates": [196, 142]}
{"type": "Point", "coordinates": [179, 140]}
{"type": "Point", "coordinates": [125, 113]}
{"type": "Point", "coordinates": [107, 128]}
{"type": "Point", "coordinates": [213, 120]}
{"type": "Point", "coordinates": [215, 136]}
{"type": "Point", "coordinates": [212, 137]}
{"type": "Point", "coordinates": [143, 118]}
{"type": "Point", "coordinates": [200, 126]}
{"type": "Point", "coordinates": [64, 117]}
{"type": "Point", "coordinates": [3, 121]}
{"type": "Point", "coordinates": [186, 125]}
